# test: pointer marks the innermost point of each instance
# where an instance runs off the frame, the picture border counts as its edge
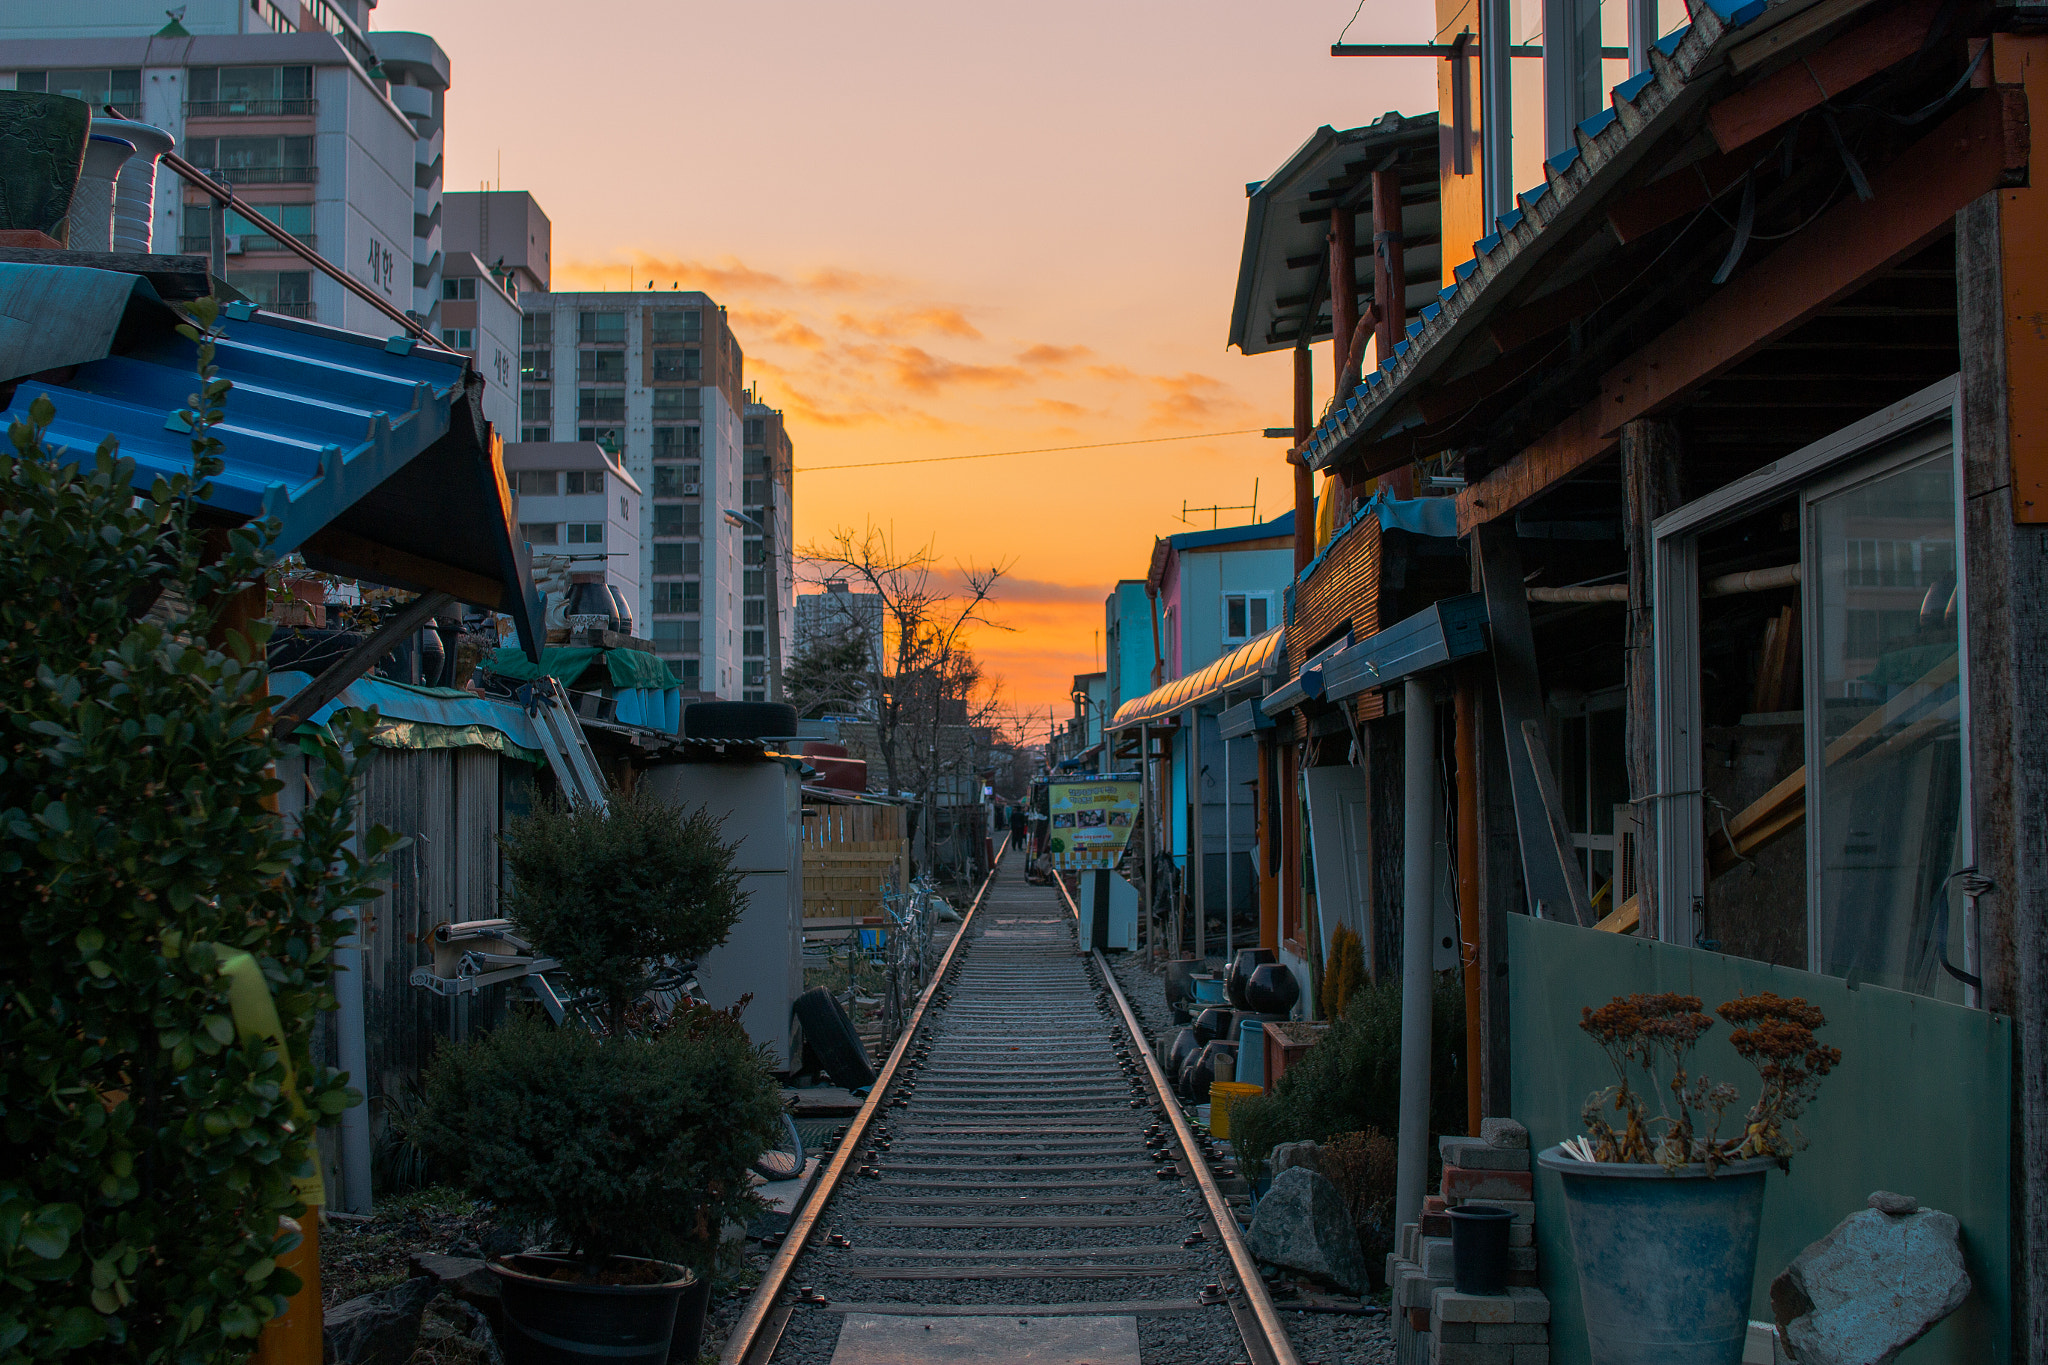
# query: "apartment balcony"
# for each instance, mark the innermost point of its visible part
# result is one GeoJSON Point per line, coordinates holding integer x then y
{"type": "Point", "coordinates": [246, 244]}
{"type": "Point", "coordinates": [264, 175]}
{"type": "Point", "coordinates": [249, 108]}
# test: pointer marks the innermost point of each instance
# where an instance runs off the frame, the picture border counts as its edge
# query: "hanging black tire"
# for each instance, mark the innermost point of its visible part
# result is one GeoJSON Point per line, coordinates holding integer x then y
{"type": "Point", "coordinates": [738, 720]}
{"type": "Point", "coordinates": [830, 1036]}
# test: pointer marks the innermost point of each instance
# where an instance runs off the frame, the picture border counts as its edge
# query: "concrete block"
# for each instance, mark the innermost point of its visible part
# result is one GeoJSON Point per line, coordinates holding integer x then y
{"type": "Point", "coordinates": [1522, 1258]}
{"type": "Point", "coordinates": [1523, 1279]}
{"type": "Point", "coordinates": [1503, 1133]}
{"type": "Point", "coordinates": [1406, 1241]}
{"type": "Point", "coordinates": [1488, 1186]}
{"type": "Point", "coordinates": [1521, 1235]}
{"type": "Point", "coordinates": [1436, 1225]}
{"type": "Point", "coordinates": [1453, 1333]}
{"type": "Point", "coordinates": [1474, 1154]}
{"type": "Point", "coordinates": [1510, 1333]}
{"type": "Point", "coordinates": [1530, 1305]}
{"type": "Point", "coordinates": [1448, 1305]}
{"type": "Point", "coordinates": [1532, 1355]}
{"type": "Point", "coordinates": [1447, 1354]}
{"type": "Point", "coordinates": [1435, 1259]}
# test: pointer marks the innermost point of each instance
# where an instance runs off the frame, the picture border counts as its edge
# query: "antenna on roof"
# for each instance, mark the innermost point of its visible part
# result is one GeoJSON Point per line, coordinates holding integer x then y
{"type": "Point", "coordinates": [1216, 513]}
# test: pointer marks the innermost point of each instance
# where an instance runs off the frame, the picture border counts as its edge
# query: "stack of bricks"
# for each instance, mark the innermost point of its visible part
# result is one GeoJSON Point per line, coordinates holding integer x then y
{"type": "Point", "coordinates": [1492, 1168]}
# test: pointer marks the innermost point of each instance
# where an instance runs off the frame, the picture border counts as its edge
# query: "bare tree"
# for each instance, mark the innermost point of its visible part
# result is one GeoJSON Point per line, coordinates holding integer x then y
{"type": "Point", "coordinates": [932, 698]}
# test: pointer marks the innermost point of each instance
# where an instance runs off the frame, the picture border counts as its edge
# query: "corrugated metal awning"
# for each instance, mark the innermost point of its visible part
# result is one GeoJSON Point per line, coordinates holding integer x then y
{"type": "Point", "coordinates": [1235, 669]}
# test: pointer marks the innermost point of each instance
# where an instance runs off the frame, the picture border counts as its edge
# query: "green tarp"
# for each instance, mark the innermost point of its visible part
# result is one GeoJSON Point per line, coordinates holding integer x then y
{"type": "Point", "coordinates": [628, 667]}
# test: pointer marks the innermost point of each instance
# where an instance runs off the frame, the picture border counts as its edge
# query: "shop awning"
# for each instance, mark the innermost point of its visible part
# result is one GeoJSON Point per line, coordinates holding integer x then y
{"type": "Point", "coordinates": [1257, 658]}
{"type": "Point", "coordinates": [372, 454]}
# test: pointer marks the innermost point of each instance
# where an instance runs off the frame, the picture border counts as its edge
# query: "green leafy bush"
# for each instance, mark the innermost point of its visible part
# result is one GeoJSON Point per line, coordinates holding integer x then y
{"type": "Point", "coordinates": [1350, 1081]}
{"type": "Point", "coordinates": [625, 1146]}
{"type": "Point", "coordinates": [609, 893]}
{"type": "Point", "coordinates": [149, 1150]}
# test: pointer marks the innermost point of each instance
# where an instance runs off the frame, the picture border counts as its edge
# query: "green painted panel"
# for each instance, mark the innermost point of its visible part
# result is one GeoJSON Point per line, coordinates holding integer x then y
{"type": "Point", "coordinates": [1920, 1104]}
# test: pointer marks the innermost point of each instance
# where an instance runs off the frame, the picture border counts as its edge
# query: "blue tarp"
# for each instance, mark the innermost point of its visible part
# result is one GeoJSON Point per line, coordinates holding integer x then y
{"type": "Point", "coordinates": [441, 706]}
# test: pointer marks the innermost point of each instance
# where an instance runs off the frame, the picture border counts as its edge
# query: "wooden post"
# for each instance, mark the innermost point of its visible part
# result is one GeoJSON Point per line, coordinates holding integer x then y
{"type": "Point", "coordinates": [1649, 469]}
{"type": "Point", "coordinates": [1304, 477]}
{"type": "Point", "coordinates": [1267, 844]}
{"type": "Point", "coordinates": [1343, 294]}
{"type": "Point", "coordinates": [1389, 289]}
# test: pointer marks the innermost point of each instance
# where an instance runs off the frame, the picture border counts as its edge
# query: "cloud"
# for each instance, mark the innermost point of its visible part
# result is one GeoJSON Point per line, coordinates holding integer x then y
{"type": "Point", "coordinates": [1191, 398]}
{"type": "Point", "coordinates": [777, 326]}
{"type": "Point", "coordinates": [1058, 407]}
{"type": "Point", "coordinates": [1045, 353]}
{"type": "Point", "coordinates": [728, 276]}
{"type": "Point", "coordinates": [919, 371]}
{"type": "Point", "coordinates": [910, 321]}
{"type": "Point", "coordinates": [832, 279]}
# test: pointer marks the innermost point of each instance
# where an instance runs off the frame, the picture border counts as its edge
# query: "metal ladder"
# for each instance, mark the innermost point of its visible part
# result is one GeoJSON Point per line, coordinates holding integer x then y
{"type": "Point", "coordinates": [562, 740]}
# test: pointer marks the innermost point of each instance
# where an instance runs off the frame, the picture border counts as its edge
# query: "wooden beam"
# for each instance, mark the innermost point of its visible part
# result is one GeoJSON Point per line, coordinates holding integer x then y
{"type": "Point", "coordinates": [1754, 53]}
{"type": "Point", "coordinates": [1916, 199]}
{"type": "Point", "coordinates": [1625, 918]}
{"type": "Point", "coordinates": [400, 568]}
{"type": "Point", "coordinates": [1650, 458]}
{"type": "Point", "coordinates": [1850, 59]}
{"type": "Point", "coordinates": [1682, 192]}
{"type": "Point", "coordinates": [1539, 318]}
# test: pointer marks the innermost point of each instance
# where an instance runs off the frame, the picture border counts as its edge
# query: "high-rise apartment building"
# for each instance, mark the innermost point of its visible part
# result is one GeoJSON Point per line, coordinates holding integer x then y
{"type": "Point", "coordinates": [767, 584]}
{"type": "Point", "coordinates": [289, 102]}
{"type": "Point", "coordinates": [655, 377]}
{"type": "Point", "coordinates": [496, 246]}
{"type": "Point", "coordinates": [841, 612]}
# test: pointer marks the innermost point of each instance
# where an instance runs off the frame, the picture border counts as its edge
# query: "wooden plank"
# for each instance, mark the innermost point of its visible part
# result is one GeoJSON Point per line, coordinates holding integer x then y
{"type": "Point", "coordinates": [1650, 487]}
{"type": "Point", "coordinates": [1682, 192]}
{"type": "Point", "coordinates": [1012, 1272]}
{"type": "Point", "coordinates": [1022, 1254]}
{"type": "Point", "coordinates": [1789, 34]}
{"type": "Point", "coordinates": [965, 1201]}
{"type": "Point", "coordinates": [1847, 60]}
{"type": "Point", "coordinates": [1556, 455]}
{"type": "Point", "coordinates": [1554, 819]}
{"type": "Point", "coordinates": [1625, 917]}
{"type": "Point", "coordinates": [1108, 1220]}
{"type": "Point", "coordinates": [1093, 1308]}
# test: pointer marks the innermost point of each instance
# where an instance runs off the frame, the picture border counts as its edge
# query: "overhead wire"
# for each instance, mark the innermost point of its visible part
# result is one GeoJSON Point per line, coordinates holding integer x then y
{"type": "Point", "coordinates": [1041, 450]}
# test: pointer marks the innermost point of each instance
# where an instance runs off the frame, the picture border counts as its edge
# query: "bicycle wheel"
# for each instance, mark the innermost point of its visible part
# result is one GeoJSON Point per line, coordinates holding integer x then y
{"type": "Point", "coordinates": [785, 1160]}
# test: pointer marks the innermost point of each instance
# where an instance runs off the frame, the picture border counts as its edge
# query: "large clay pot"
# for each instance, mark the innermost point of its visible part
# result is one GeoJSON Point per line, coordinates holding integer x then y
{"type": "Point", "coordinates": [42, 150]}
{"type": "Point", "coordinates": [1211, 1024]}
{"type": "Point", "coordinates": [1247, 961]}
{"type": "Point", "coordinates": [1184, 1047]}
{"type": "Point", "coordinates": [561, 1322]}
{"type": "Point", "coordinates": [1272, 989]}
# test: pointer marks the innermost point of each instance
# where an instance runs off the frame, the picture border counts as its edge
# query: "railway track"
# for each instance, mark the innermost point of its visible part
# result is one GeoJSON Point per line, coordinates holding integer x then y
{"type": "Point", "coordinates": [1017, 1188]}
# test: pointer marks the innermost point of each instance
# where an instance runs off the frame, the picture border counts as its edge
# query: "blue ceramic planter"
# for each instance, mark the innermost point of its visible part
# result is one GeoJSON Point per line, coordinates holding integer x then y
{"type": "Point", "coordinates": [1666, 1260]}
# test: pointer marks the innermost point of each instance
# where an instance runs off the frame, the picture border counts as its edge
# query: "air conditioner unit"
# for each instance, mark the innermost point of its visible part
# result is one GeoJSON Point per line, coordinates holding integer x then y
{"type": "Point", "coordinates": [691, 490]}
{"type": "Point", "coordinates": [234, 241]}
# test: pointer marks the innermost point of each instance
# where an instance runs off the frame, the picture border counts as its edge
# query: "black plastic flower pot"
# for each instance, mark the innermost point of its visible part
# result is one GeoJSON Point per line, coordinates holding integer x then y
{"type": "Point", "coordinates": [564, 1322]}
{"type": "Point", "coordinates": [687, 1341]}
{"type": "Point", "coordinates": [1479, 1248]}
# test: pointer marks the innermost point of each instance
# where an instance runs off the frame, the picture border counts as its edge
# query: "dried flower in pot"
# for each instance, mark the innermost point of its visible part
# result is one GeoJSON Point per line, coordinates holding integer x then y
{"type": "Point", "coordinates": [1664, 1211]}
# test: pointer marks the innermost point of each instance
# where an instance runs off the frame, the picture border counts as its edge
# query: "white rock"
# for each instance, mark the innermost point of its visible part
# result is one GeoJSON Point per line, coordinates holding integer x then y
{"type": "Point", "coordinates": [1870, 1288]}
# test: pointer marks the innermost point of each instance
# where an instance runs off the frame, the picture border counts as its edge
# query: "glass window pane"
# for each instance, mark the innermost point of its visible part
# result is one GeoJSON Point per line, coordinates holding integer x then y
{"type": "Point", "coordinates": [1887, 801]}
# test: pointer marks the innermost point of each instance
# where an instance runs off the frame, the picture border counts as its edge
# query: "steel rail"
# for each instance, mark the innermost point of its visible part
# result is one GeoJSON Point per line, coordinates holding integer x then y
{"type": "Point", "coordinates": [759, 1329]}
{"type": "Point", "coordinates": [1265, 1320]}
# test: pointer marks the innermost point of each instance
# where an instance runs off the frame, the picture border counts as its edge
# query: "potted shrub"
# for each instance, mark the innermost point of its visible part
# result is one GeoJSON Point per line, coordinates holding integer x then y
{"type": "Point", "coordinates": [1664, 1210]}
{"type": "Point", "coordinates": [628, 1155]}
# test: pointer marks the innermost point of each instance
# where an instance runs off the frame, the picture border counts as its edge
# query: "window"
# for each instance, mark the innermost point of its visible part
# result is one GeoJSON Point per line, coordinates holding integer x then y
{"type": "Point", "coordinates": [755, 493]}
{"type": "Point", "coordinates": [687, 442]}
{"type": "Point", "coordinates": [757, 612]}
{"type": "Point", "coordinates": [538, 532]}
{"type": "Point", "coordinates": [586, 533]}
{"type": "Point", "coordinates": [601, 367]}
{"type": "Point", "coordinates": [668, 519]}
{"type": "Point", "coordinates": [463, 289]}
{"type": "Point", "coordinates": [690, 673]}
{"type": "Point", "coordinates": [677, 324]}
{"type": "Point", "coordinates": [600, 405]}
{"type": "Point", "coordinates": [752, 582]}
{"type": "Point", "coordinates": [458, 338]}
{"type": "Point", "coordinates": [678, 405]}
{"type": "Point", "coordinates": [668, 598]}
{"type": "Point", "coordinates": [754, 642]}
{"type": "Point", "coordinates": [1245, 614]}
{"type": "Point", "coordinates": [246, 234]}
{"type": "Point", "coordinates": [668, 559]}
{"type": "Point", "coordinates": [537, 366]}
{"type": "Point", "coordinates": [668, 636]}
{"type": "Point", "coordinates": [611, 438]}
{"type": "Point", "coordinates": [754, 553]}
{"type": "Point", "coordinates": [756, 430]}
{"type": "Point", "coordinates": [693, 519]}
{"type": "Point", "coordinates": [257, 160]}
{"type": "Point", "coordinates": [537, 329]}
{"type": "Point", "coordinates": [692, 597]}
{"type": "Point", "coordinates": [693, 474]}
{"type": "Point", "coordinates": [256, 90]}
{"type": "Point", "coordinates": [754, 463]}
{"type": "Point", "coordinates": [756, 674]}
{"type": "Point", "coordinates": [675, 480]}
{"type": "Point", "coordinates": [122, 88]}
{"type": "Point", "coordinates": [536, 434]}
{"type": "Point", "coordinates": [602, 328]}
{"type": "Point", "coordinates": [534, 483]}
{"type": "Point", "coordinates": [686, 365]}
{"type": "Point", "coordinates": [583, 481]}
{"type": "Point", "coordinates": [537, 405]}
{"type": "Point", "coordinates": [281, 291]}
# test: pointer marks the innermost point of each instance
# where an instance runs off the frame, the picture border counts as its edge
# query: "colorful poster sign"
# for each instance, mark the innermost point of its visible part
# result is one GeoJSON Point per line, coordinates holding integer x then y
{"type": "Point", "coordinates": [1091, 821]}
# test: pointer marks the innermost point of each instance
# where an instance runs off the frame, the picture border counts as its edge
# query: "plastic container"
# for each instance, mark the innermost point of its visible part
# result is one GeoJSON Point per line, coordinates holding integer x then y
{"type": "Point", "coordinates": [1222, 1094]}
{"type": "Point", "coordinates": [1208, 990]}
{"type": "Point", "coordinates": [1479, 1248]}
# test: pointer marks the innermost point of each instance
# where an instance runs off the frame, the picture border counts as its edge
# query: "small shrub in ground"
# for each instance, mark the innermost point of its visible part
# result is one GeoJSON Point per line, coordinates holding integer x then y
{"type": "Point", "coordinates": [1362, 1167]}
{"type": "Point", "coordinates": [627, 1146]}
{"type": "Point", "coordinates": [1350, 1080]}
{"type": "Point", "coordinates": [610, 893]}
{"type": "Point", "coordinates": [148, 1149]}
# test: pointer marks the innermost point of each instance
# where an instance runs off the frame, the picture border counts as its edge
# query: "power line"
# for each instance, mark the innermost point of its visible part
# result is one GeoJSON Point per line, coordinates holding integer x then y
{"type": "Point", "coordinates": [1042, 450]}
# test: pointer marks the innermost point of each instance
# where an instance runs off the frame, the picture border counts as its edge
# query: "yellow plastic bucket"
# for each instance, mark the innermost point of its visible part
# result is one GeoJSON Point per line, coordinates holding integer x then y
{"type": "Point", "coordinates": [1221, 1095]}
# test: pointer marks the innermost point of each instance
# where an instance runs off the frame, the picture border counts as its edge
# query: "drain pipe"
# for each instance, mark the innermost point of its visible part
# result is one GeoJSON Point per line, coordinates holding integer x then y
{"type": "Point", "coordinates": [1411, 1169]}
{"type": "Point", "coordinates": [355, 1060]}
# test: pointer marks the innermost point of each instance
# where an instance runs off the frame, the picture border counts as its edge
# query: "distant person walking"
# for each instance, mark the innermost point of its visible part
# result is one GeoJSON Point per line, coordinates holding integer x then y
{"type": "Point", "coordinates": [1020, 828]}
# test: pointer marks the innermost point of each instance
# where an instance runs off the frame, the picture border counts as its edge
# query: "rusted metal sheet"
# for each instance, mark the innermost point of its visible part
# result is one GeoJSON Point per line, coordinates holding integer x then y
{"type": "Point", "coordinates": [2022, 61]}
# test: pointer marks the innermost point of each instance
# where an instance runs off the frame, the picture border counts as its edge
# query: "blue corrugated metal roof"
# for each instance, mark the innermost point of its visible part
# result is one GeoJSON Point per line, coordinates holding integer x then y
{"type": "Point", "coordinates": [367, 452]}
{"type": "Point", "coordinates": [1282, 525]}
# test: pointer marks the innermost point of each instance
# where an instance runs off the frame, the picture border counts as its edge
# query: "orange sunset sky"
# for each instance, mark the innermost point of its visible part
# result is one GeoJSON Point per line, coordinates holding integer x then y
{"type": "Point", "coordinates": [944, 229]}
